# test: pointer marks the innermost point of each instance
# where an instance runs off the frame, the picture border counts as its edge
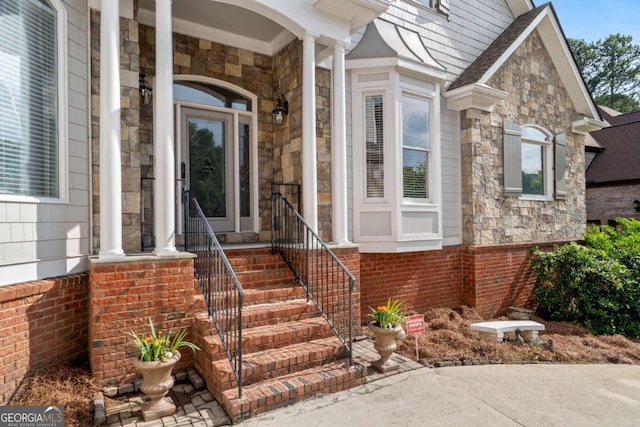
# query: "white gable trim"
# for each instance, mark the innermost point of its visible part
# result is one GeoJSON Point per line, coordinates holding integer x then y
{"type": "Point", "coordinates": [555, 43]}
{"type": "Point", "coordinates": [518, 7]}
{"type": "Point", "coordinates": [511, 50]}
{"type": "Point", "coordinates": [481, 97]}
{"type": "Point", "coordinates": [586, 125]}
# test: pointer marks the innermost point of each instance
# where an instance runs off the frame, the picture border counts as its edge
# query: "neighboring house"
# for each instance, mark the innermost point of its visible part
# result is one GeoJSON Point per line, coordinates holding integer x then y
{"type": "Point", "coordinates": [613, 176]}
{"type": "Point", "coordinates": [435, 142]}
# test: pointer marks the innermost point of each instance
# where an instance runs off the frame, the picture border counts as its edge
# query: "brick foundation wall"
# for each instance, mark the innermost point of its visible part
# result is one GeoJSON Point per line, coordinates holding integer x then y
{"type": "Point", "coordinates": [350, 257]}
{"type": "Point", "coordinates": [497, 277]}
{"type": "Point", "coordinates": [606, 203]}
{"type": "Point", "coordinates": [124, 294]}
{"type": "Point", "coordinates": [42, 323]}
{"type": "Point", "coordinates": [420, 279]}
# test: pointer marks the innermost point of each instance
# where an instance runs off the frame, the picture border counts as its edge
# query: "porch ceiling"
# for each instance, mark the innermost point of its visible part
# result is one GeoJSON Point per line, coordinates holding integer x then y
{"type": "Point", "coordinates": [264, 26]}
{"type": "Point", "coordinates": [222, 22]}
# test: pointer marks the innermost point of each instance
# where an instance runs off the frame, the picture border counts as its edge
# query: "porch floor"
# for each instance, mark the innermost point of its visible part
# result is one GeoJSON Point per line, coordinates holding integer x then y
{"type": "Point", "coordinates": [198, 407]}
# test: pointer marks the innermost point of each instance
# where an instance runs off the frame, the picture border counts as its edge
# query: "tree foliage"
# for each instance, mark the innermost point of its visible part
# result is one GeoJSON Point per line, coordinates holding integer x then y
{"type": "Point", "coordinates": [596, 283]}
{"type": "Point", "coordinates": [611, 68]}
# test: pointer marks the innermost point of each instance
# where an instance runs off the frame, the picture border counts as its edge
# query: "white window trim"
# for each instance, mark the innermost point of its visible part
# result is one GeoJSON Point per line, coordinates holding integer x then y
{"type": "Point", "coordinates": [63, 124]}
{"type": "Point", "coordinates": [385, 149]}
{"type": "Point", "coordinates": [548, 166]}
{"type": "Point", "coordinates": [421, 3]}
{"type": "Point", "coordinates": [432, 199]}
{"type": "Point", "coordinates": [394, 202]}
{"type": "Point", "coordinates": [247, 116]}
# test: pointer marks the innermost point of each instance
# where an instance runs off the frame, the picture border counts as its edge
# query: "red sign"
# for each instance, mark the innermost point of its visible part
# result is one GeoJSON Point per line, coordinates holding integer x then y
{"type": "Point", "coordinates": [415, 324]}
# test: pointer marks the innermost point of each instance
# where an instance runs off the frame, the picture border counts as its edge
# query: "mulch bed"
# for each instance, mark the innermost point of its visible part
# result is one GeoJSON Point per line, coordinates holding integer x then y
{"type": "Point", "coordinates": [448, 337]}
{"type": "Point", "coordinates": [74, 388]}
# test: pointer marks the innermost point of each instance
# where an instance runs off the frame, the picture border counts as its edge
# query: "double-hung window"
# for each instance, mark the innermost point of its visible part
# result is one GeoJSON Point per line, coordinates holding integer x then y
{"type": "Point", "coordinates": [374, 145]}
{"type": "Point", "coordinates": [30, 104]}
{"type": "Point", "coordinates": [415, 147]}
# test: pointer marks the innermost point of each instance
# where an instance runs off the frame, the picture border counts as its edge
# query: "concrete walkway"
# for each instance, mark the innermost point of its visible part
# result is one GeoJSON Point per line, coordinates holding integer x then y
{"type": "Point", "coordinates": [489, 395]}
{"type": "Point", "coordinates": [475, 396]}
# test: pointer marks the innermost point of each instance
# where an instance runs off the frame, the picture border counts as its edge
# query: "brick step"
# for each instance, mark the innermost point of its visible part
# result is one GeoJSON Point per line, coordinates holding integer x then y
{"type": "Point", "coordinates": [260, 278]}
{"type": "Point", "coordinates": [269, 364]}
{"type": "Point", "coordinates": [257, 261]}
{"type": "Point", "coordinates": [273, 294]}
{"type": "Point", "coordinates": [264, 295]}
{"type": "Point", "coordinates": [281, 312]}
{"type": "Point", "coordinates": [241, 265]}
{"type": "Point", "coordinates": [270, 337]}
{"type": "Point", "coordinates": [267, 314]}
{"type": "Point", "coordinates": [289, 389]}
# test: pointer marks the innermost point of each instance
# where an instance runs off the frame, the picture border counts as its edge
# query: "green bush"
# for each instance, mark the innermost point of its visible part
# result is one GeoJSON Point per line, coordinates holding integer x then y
{"type": "Point", "coordinates": [596, 283]}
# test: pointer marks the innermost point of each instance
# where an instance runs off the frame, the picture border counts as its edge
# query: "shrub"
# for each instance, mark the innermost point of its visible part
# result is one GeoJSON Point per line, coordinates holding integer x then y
{"type": "Point", "coordinates": [596, 283]}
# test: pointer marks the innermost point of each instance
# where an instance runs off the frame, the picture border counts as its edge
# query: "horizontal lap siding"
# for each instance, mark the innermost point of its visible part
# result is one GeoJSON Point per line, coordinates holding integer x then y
{"type": "Point", "coordinates": [40, 240]}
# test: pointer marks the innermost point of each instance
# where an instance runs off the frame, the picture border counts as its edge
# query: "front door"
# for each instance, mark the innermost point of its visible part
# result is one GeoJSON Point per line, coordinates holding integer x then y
{"type": "Point", "coordinates": [208, 164]}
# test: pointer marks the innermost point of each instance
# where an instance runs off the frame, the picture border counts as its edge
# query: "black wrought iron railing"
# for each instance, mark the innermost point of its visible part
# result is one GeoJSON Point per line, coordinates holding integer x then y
{"type": "Point", "coordinates": [327, 282]}
{"type": "Point", "coordinates": [219, 284]}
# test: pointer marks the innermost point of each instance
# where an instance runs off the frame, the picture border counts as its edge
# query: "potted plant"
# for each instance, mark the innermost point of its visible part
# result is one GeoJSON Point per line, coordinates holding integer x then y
{"type": "Point", "coordinates": [386, 328]}
{"type": "Point", "coordinates": [157, 355]}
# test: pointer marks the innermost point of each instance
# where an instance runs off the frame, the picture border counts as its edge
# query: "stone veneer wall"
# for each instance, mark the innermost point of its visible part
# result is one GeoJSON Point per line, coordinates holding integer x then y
{"type": "Point", "coordinates": [536, 96]}
{"type": "Point", "coordinates": [287, 139]}
{"type": "Point", "coordinates": [130, 123]}
{"type": "Point", "coordinates": [279, 147]}
{"type": "Point", "coordinates": [248, 70]}
{"type": "Point", "coordinates": [42, 323]}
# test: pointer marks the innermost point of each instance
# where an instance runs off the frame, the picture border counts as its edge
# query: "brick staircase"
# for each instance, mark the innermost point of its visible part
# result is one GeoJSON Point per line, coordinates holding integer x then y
{"type": "Point", "coordinates": [289, 351]}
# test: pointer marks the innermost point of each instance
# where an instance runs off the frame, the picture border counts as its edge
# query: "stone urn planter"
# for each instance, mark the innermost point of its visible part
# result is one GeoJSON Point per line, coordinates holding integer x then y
{"type": "Point", "coordinates": [156, 383]}
{"type": "Point", "coordinates": [385, 345]}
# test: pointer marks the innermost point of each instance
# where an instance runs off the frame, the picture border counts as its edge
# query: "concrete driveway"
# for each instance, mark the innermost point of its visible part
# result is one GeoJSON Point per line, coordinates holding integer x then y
{"type": "Point", "coordinates": [489, 395]}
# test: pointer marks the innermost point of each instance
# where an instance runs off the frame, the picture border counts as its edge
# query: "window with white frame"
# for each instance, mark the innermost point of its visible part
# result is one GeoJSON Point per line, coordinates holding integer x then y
{"type": "Point", "coordinates": [415, 146]}
{"type": "Point", "coordinates": [30, 39]}
{"type": "Point", "coordinates": [441, 6]}
{"type": "Point", "coordinates": [397, 200]}
{"type": "Point", "coordinates": [536, 155]}
{"type": "Point", "coordinates": [534, 162]}
{"type": "Point", "coordinates": [374, 145]}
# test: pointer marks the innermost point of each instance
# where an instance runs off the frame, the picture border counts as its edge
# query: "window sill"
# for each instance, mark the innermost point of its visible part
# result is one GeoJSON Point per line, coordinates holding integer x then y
{"type": "Point", "coordinates": [10, 198]}
{"type": "Point", "coordinates": [537, 198]}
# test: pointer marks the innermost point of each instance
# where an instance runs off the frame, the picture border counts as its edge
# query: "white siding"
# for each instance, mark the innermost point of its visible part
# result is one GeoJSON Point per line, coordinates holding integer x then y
{"type": "Point", "coordinates": [455, 42]}
{"type": "Point", "coordinates": [40, 240]}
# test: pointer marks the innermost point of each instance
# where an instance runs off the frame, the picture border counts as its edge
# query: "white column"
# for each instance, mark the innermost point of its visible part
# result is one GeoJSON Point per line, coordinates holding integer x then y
{"type": "Point", "coordinates": [309, 165]}
{"type": "Point", "coordinates": [339, 149]}
{"type": "Point", "coordinates": [110, 162]}
{"type": "Point", "coordinates": [164, 168]}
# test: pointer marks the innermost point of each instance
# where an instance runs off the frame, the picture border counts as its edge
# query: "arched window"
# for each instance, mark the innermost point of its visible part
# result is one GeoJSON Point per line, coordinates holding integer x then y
{"type": "Point", "coordinates": [536, 151]}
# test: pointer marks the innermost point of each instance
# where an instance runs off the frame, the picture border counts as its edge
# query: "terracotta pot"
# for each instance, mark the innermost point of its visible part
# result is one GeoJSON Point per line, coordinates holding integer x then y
{"type": "Point", "coordinates": [385, 345]}
{"type": "Point", "coordinates": [156, 383]}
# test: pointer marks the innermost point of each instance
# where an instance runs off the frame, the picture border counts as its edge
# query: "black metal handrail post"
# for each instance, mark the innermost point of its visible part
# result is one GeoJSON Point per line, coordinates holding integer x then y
{"type": "Point", "coordinates": [218, 282]}
{"type": "Point", "coordinates": [326, 280]}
